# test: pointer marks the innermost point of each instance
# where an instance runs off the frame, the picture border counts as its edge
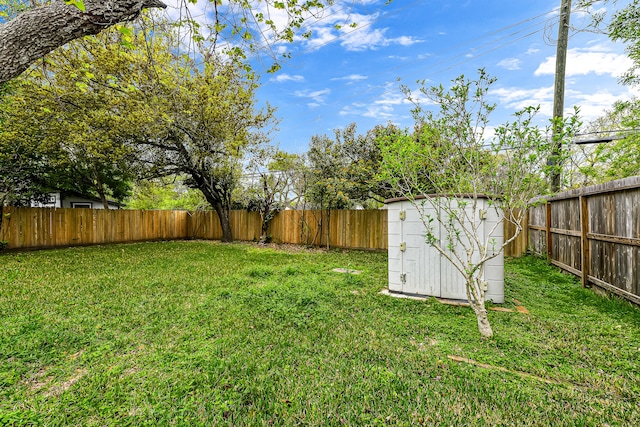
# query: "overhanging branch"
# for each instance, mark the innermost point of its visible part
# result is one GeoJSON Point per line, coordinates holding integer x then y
{"type": "Point", "coordinates": [36, 32]}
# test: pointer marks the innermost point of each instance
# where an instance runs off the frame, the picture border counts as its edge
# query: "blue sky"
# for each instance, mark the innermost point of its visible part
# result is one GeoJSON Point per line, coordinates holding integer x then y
{"type": "Point", "coordinates": [340, 76]}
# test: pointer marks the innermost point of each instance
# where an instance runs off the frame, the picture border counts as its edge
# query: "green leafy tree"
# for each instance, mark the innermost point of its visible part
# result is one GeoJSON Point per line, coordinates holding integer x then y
{"type": "Point", "coordinates": [22, 165]}
{"type": "Point", "coordinates": [624, 26]}
{"type": "Point", "coordinates": [619, 158]}
{"type": "Point", "coordinates": [210, 122]}
{"type": "Point", "coordinates": [62, 110]}
{"type": "Point", "coordinates": [330, 187]}
{"type": "Point", "coordinates": [21, 180]}
{"type": "Point", "coordinates": [347, 168]}
{"type": "Point", "coordinates": [30, 30]}
{"type": "Point", "coordinates": [168, 193]}
{"type": "Point", "coordinates": [462, 167]}
{"type": "Point", "coordinates": [144, 103]}
{"type": "Point", "coordinates": [364, 160]}
{"type": "Point", "coordinates": [193, 121]}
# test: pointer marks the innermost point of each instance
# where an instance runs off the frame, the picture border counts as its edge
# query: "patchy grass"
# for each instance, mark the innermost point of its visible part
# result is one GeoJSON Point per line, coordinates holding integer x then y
{"type": "Point", "coordinates": [201, 333]}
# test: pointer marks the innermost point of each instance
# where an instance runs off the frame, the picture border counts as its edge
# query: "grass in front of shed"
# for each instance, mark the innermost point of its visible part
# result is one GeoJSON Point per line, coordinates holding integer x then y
{"type": "Point", "coordinates": [202, 333]}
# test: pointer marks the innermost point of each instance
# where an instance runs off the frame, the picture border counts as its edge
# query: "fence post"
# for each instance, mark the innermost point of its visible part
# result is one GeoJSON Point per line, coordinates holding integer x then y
{"type": "Point", "coordinates": [526, 230]}
{"type": "Point", "coordinates": [549, 239]}
{"type": "Point", "coordinates": [585, 250]}
{"type": "Point", "coordinates": [2, 208]}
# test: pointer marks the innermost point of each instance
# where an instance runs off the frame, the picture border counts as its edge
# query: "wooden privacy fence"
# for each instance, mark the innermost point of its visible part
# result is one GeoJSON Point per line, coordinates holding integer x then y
{"type": "Point", "coordinates": [353, 229]}
{"type": "Point", "coordinates": [519, 245]}
{"type": "Point", "coordinates": [594, 233]}
{"type": "Point", "coordinates": [27, 228]}
{"type": "Point", "coordinates": [32, 228]}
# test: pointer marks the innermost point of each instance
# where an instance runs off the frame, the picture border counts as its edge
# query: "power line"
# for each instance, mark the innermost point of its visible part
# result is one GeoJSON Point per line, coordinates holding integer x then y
{"type": "Point", "coordinates": [450, 48]}
{"type": "Point", "coordinates": [598, 132]}
{"type": "Point", "coordinates": [481, 50]}
{"type": "Point", "coordinates": [599, 140]}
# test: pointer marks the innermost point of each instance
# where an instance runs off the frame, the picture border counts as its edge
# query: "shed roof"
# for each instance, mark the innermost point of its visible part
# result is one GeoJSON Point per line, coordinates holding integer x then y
{"type": "Point", "coordinates": [425, 196]}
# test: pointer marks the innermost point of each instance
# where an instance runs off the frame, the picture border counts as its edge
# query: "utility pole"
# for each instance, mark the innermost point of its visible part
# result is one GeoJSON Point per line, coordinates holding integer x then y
{"type": "Point", "coordinates": [555, 161]}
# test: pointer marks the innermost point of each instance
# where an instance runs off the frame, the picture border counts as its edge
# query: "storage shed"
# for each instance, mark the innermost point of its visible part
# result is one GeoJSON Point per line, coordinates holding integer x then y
{"type": "Point", "coordinates": [417, 268]}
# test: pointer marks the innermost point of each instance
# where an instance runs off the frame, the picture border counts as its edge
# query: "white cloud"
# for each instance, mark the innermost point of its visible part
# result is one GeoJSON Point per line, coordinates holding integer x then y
{"type": "Point", "coordinates": [532, 50]}
{"type": "Point", "coordinates": [282, 49]}
{"type": "Point", "coordinates": [582, 61]}
{"type": "Point", "coordinates": [355, 32]}
{"type": "Point", "coordinates": [391, 105]}
{"type": "Point", "coordinates": [199, 12]}
{"type": "Point", "coordinates": [519, 98]}
{"type": "Point", "coordinates": [365, 39]}
{"type": "Point", "coordinates": [511, 64]}
{"type": "Point", "coordinates": [338, 23]}
{"type": "Point", "coordinates": [405, 41]}
{"type": "Point", "coordinates": [379, 112]}
{"type": "Point", "coordinates": [316, 97]}
{"type": "Point", "coordinates": [351, 77]}
{"type": "Point", "coordinates": [593, 105]}
{"type": "Point", "coordinates": [489, 133]}
{"type": "Point", "coordinates": [281, 78]}
{"type": "Point", "coordinates": [391, 97]}
{"type": "Point", "coordinates": [320, 37]}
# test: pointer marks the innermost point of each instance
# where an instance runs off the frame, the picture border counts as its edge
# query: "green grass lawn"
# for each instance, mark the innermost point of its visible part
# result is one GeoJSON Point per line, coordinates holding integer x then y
{"type": "Point", "coordinates": [203, 333]}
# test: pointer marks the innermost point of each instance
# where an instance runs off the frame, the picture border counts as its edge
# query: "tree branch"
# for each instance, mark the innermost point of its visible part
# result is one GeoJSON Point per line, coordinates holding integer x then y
{"type": "Point", "coordinates": [36, 32]}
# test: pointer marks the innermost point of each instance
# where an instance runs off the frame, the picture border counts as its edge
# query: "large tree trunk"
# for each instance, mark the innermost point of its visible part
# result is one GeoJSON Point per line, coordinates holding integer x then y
{"type": "Point", "coordinates": [36, 32]}
{"type": "Point", "coordinates": [103, 197]}
{"type": "Point", "coordinates": [215, 199]}
{"type": "Point", "coordinates": [264, 226]}
{"type": "Point", "coordinates": [100, 190]}
{"type": "Point", "coordinates": [225, 223]}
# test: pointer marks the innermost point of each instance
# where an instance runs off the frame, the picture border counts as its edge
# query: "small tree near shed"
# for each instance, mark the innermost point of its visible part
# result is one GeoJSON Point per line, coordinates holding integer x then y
{"type": "Point", "coordinates": [447, 164]}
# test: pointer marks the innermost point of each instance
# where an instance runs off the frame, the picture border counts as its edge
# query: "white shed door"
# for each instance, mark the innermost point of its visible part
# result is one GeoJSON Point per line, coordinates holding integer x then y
{"type": "Point", "coordinates": [425, 270]}
{"type": "Point", "coordinates": [452, 284]}
{"type": "Point", "coordinates": [420, 262]}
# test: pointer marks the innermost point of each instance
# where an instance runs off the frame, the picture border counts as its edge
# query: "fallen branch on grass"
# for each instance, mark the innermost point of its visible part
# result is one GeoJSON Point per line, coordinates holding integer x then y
{"type": "Point", "coordinates": [500, 368]}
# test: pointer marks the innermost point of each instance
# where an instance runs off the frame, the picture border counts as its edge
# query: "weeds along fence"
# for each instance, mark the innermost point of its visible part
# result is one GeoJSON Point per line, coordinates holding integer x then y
{"type": "Point", "coordinates": [594, 233]}
{"type": "Point", "coordinates": [34, 228]}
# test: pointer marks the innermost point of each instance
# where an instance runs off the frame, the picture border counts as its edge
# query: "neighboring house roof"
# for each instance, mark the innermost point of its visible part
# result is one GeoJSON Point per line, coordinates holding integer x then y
{"type": "Point", "coordinates": [57, 199]}
{"type": "Point", "coordinates": [66, 194]}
